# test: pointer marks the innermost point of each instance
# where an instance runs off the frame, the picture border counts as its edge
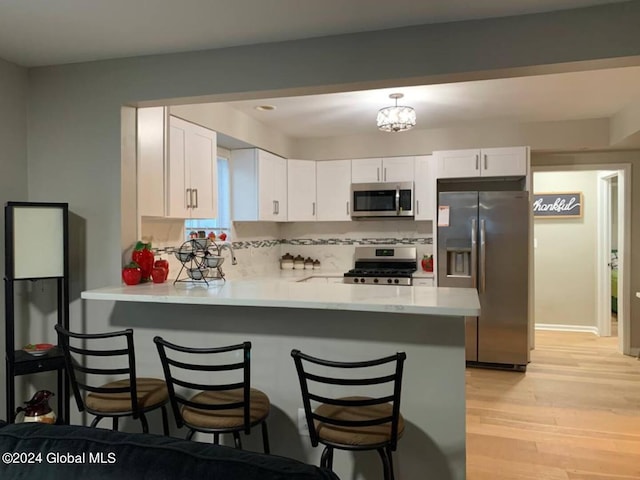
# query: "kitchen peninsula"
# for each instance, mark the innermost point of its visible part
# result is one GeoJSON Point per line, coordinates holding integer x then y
{"type": "Point", "coordinates": [337, 321]}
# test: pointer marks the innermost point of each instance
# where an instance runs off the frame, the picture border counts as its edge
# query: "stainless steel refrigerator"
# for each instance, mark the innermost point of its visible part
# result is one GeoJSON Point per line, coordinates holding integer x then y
{"type": "Point", "coordinates": [483, 243]}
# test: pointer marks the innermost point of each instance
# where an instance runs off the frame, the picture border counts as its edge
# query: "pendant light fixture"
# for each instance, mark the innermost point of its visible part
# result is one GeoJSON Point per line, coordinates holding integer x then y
{"type": "Point", "coordinates": [396, 118]}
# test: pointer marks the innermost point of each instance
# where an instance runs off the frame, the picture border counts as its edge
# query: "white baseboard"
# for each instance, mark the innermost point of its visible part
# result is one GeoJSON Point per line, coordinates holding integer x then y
{"type": "Point", "coordinates": [566, 328]}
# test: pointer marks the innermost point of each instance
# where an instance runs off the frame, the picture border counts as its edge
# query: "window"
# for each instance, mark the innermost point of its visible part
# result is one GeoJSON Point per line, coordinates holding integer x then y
{"type": "Point", "coordinates": [223, 222]}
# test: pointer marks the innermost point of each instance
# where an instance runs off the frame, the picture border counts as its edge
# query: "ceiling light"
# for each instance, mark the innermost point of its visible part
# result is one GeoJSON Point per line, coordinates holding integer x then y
{"type": "Point", "coordinates": [396, 118]}
{"type": "Point", "coordinates": [265, 108]}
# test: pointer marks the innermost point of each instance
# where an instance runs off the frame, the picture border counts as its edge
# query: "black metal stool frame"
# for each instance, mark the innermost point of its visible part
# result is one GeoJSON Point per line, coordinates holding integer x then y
{"type": "Point", "coordinates": [384, 449]}
{"type": "Point", "coordinates": [77, 387]}
{"type": "Point", "coordinates": [177, 401]}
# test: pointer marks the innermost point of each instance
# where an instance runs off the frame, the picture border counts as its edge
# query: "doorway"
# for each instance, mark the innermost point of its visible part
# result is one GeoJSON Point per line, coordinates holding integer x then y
{"type": "Point", "coordinates": [592, 250]}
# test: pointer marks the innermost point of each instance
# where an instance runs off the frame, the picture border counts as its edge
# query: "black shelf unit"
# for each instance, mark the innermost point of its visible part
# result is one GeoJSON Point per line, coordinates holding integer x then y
{"type": "Point", "coordinates": [23, 262]}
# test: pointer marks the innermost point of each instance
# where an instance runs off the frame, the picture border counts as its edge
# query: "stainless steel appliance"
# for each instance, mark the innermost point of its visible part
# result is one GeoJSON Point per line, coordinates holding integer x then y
{"type": "Point", "coordinates": [381, 265]}
{"type": "Point", "coordinates": [382, 200]}
{"type": "Point", "coordinates": [483, 243]}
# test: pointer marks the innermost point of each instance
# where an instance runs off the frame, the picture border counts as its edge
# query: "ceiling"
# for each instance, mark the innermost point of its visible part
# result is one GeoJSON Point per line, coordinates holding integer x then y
{"type": "Point", "coordinates": [46, 32]}
{"type": "Point", "coordinates": [566, 96]}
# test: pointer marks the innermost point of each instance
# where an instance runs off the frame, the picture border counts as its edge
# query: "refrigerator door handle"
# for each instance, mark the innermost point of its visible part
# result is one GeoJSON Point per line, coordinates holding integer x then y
{"type": "Point", "coordinates": [483, 256]}
{"type": "Point", "coordinates": [397, 200]}
{"type": "Point", "coordinates": [474, 254]}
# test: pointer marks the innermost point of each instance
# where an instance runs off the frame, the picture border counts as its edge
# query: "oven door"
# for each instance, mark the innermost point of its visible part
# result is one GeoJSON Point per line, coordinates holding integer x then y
{"type": "Point", "coordinates": [382, 199]}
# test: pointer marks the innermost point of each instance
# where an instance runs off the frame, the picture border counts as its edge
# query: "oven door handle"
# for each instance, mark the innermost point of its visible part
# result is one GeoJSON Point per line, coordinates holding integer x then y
{"type": "Point", "coordinates": [397, 200]}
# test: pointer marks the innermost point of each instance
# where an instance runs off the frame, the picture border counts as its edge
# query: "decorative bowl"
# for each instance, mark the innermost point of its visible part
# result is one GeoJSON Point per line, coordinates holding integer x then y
{"type": "Point", "coordinates": [184, 255]}
{"type": "Point", "coordinates": [213, 261]}
{"type": "Point", "coordinates": [202, 243]}
{"type": "Point", "coordinates": [198, 273]}
{"type": "Point", "coordinates": [38, 349]}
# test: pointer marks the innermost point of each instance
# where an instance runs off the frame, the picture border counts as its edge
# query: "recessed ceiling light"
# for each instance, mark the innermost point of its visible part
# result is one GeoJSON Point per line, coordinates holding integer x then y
{"type": "Point", "coordinates": [265, 108]}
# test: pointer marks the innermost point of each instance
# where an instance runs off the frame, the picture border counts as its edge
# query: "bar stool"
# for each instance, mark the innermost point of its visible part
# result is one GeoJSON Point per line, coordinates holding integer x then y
{"type": "Point", "coordinates": [356, 421]}
{"type": "Point", "coordinates": [231, 406]}
{"type": "Point", "coordinates": [131, 396]}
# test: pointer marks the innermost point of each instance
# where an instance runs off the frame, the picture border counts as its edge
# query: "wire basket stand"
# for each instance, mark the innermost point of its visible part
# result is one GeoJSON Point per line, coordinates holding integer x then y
{"type": "Point", "coordinates": [199, 264]}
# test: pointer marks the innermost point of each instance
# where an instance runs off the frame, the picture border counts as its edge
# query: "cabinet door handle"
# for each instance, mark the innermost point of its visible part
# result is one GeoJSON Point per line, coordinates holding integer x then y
{"type": "Point", "coordinates": [385, 174]}
{"type": "Point", "coordinates": [195, 190]}
{"type": "Point", "coordinates": [313, 213]}
{"type": "Point", "coordinates": [378, 173]}
{"type": "Point", "coordinates": [417, 207]}
{"type": "Point", "coordinates": [275, 211]}
{"type": "Point", "coordinates": [347, 207]}
{"type": "Point", "coordinates": [477, 162]}
{"type": "Point", "coordinates": [485, 161]}
{"type": "Point", "coordinates": [189, 198]}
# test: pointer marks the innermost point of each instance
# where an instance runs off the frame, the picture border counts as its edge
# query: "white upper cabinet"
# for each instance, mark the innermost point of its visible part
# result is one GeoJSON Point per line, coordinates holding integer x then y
{"type": "Point", "coordinates": [398, 169]}
{"type": "Point", "coordinates": [258, 186]}
{"type": "Point", "coordinates": [151, 166]}
{"type": "Point", "coordinates": [425, 188]}
{"type": "Point", "coordinates": [487, 162]}
{"type": "Point", "coordinates": [333, 189]}
{"type": "Point", "coordinates": [387, 169]}
{"type": "Point", "coordinates": [191, 171]}
{"type": "Point", "coordinates": [177, 168]}
{"type": "Point", "coordinates": [301, 190]}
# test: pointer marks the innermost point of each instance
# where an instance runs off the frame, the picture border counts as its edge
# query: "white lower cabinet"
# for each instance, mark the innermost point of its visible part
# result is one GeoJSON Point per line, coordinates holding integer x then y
{"type": "Point", "coordinates": [258, 186]}
{"type": "Point", "coordinates": [333, 187]}
{"type": "Point", "coordinates": [423, 282]}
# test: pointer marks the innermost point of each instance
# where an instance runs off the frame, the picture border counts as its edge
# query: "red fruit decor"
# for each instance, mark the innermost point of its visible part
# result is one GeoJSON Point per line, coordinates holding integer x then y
{"type": "Point", "coordinates": [131, 274]}
{"type": "Point", "coordinates": [158, 274]}
{"type": "Point", "coordinates": [143, 256]}
{"type": "Point", "coordinates": [162, 263]}
{"type": "Point", "coordinates": [427, 263]}
{"type": "Point", "coordinates": [222, 236]}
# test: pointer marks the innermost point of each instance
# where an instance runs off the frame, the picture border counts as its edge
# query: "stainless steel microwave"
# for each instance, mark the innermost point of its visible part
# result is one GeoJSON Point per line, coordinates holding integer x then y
{"type": "Point", "coordinates": [382, 199]}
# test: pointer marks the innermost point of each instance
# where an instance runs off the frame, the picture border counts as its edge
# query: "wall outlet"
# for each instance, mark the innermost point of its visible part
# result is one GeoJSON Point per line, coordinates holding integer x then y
{"type": "Point", "coordinates": [302, 423]}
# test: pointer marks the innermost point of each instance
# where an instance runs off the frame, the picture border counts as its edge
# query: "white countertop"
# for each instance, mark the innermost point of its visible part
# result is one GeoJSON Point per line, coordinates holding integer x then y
{"type": "Point", "coordinates": [284, 289]}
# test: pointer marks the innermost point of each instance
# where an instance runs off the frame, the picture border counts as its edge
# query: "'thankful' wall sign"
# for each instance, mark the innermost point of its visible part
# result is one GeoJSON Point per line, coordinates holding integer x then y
{"type": "Point", "coordinates": [557, 205]}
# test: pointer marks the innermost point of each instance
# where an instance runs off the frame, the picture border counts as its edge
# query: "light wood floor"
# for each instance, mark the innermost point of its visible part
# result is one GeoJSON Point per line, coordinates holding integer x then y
{"type": "Point", "coordinates": [574, 415]}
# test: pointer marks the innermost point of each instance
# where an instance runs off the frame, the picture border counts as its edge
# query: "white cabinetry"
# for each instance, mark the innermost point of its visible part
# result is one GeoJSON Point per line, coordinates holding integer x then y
{"type": "Point", "coordinates": [177, 167]}
{"type": "Point", "coordinates": [388, 169]}
{"type": "Point", "coordinates": [191, 171]}
{"type": "Point", "coordinates": [422, 282]}
{"type": "Point", "coordinates": [258, 186]}
{"type": "Point", "coordinates": [301, 190]}
{"type": "Point", "coordinates": [425, 188]}
{"type": "Point", "coordinates": [150, 158]}
{"type": "Point", "coordinates": [333, 183]}
{"type": "Point", "coordinates": [486, 162]}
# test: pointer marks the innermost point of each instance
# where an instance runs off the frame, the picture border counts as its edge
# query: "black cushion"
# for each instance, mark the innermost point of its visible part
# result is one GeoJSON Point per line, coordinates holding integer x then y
{"type": "Point", "coordinates": [137, 456]}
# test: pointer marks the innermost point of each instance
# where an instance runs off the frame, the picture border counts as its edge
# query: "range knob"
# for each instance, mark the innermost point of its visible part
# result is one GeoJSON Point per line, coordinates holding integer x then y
{"type": "Point", "coordinates": [396, 281]}
{"type": "Point", "coordinates": [362, 280]}
{"type": "Point", "coordinates": [388, 280]}
{"type": "Point", "coordinates": [355, 280]}
{"type": "Point", "coordinates": [375, 280]}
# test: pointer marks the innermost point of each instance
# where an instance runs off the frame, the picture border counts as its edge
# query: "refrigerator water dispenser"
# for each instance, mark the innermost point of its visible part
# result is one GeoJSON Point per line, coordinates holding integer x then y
{"type": "Point", "coordinates": [459, 262]}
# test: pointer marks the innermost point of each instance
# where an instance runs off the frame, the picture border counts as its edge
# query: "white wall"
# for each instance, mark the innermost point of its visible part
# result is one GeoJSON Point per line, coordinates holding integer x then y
{"type": "Point", "coordinates": [13, 161]}
{"type": "Point", "coordinates": [565, 256]}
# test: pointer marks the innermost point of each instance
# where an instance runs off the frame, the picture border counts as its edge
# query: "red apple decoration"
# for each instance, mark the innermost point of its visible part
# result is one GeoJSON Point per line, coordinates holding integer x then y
{"type": "Point", "coordinates": [158, 274]}
{"type": "Point", "coordinates": [162, 263]}
{"type": "Point", "coordinates": [222, 236]}
{"type": "Point", "coordinates": [131, 274]}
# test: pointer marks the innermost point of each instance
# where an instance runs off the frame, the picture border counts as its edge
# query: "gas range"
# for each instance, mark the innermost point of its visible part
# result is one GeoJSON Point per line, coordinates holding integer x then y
{"type": "Point", "coordinates": [383, 266]}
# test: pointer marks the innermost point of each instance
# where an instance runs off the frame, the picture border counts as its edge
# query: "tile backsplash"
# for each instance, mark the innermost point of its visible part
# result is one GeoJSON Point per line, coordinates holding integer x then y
{"type": "Point", "coordinates": [258, 246]}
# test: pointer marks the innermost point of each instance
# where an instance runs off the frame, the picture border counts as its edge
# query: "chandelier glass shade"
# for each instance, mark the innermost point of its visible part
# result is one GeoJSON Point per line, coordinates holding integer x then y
{"type": "Point", "coordinates": [396, 118]}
